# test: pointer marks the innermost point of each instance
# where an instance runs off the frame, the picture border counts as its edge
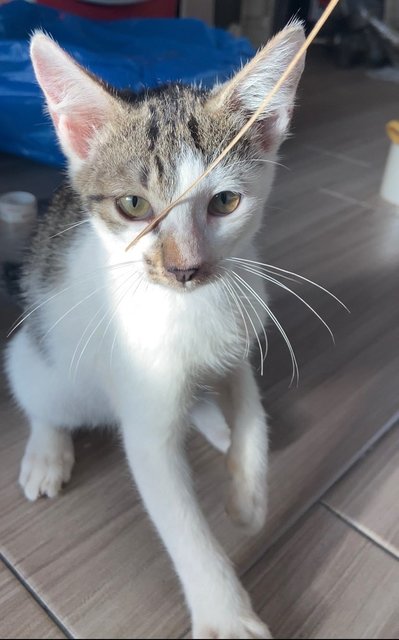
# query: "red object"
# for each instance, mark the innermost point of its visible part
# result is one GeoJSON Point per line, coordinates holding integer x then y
{"type": "Point", "coordinates": [151, 9]}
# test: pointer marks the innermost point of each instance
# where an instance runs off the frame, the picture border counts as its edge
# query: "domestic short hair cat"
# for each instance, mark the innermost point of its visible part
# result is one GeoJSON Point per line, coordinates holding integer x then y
{"type": "Point", "coordinates": [155, 339]}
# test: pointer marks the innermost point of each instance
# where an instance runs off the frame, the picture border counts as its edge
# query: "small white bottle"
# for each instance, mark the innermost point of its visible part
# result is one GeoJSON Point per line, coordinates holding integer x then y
{"type": "Point", "coordinates": [390, 183]}
{"type": "Point", "coordinates": [18, 215]}
{"type": "Point", "coordinates": [17, 207]}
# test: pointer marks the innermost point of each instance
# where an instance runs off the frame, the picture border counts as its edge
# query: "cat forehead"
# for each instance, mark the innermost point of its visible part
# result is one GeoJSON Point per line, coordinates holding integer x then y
{"type": "Point", "coordinates": [171, 120]}
{"type": "Point", "coordinates": [176, 116]}
{"type": "Point", "coordinates": [151, 134]}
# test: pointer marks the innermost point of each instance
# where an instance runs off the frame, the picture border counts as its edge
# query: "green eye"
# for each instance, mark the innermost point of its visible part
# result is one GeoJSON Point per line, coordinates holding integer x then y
{"type": "Point", "coordinates": [134, 207]}
{"type": "Point", "coordinates": [224, 203]}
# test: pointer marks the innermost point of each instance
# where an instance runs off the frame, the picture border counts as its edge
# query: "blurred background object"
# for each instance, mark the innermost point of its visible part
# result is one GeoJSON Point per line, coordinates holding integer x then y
{"type": "Point", "coordinates": [129, 54]}
{"type": "Point", "coordinates": [115, 9]}
{"type": "Point", "coordinates": [201, 9]}
{"type": "Point", "coordinates": [18, 211]}
{"type": "Point", "coordinates": [390, 182]}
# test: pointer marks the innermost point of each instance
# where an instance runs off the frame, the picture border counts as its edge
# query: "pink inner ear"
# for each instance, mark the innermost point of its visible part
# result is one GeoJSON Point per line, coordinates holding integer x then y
{"type": "Point", "coordinates": [77, 123]}
{"type": "Point", "coordinates": [80, 131]}
{"type": "Point", "coordinates": [77, 130]}
{"type": "Point", "coordinates": [78, 135]}
{"type": "Point", "coordinates": [48, 80]}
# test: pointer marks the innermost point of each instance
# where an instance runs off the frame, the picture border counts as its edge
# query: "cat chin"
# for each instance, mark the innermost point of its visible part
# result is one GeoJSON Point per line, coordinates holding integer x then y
{"type": "Point", "coordinates": [174, 286]}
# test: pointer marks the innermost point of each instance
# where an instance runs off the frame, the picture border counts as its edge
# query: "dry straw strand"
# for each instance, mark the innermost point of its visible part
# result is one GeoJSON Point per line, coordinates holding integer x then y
{"type": "Point", "coordinates": [301, 52]}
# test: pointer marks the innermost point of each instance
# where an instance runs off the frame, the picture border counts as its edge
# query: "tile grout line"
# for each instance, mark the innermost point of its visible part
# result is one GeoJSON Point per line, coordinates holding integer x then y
{"type": "Point", "coordinates": [333, 193]}
{"type": "Point", "coordinates": [363, 452]}
{"type": "Point", "coordinates": [376, 438]}
{"type": "Point", "coordinates": [379, 435]}
{"type": "Point", "coordinates": [338, 156]}
{"type": "Point", "coordinates": [345, 470]}
{"type": "Point", "coordinates": [21, 580]}
{"type": "Point", "coordinates": [360, 530]}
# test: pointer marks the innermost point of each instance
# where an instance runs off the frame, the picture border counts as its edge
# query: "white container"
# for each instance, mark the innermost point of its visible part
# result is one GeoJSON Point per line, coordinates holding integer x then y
{"type": "Point", "coordinates": [390, 183]}
{"type": "Point", "coordinates": [18, 215]}
{"type": "Point", "coordinates": [18, 207]}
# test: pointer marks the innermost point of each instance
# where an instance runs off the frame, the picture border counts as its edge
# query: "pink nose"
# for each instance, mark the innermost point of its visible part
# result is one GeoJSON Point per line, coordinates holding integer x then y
{"type": "Point", "coordinates": [184, 275]}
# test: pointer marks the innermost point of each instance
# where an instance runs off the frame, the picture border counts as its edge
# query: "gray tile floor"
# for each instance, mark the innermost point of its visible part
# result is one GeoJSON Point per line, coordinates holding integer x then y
{"type": "Point", "coordinates": [91, 564]}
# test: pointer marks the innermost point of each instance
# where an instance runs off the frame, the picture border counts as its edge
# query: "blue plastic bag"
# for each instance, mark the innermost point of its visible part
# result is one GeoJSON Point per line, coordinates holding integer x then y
{"type": "Point", "coordinates": [127, 53]}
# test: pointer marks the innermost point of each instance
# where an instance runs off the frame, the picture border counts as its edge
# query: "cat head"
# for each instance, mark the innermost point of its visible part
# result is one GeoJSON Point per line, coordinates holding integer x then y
{"type": "Point", "coordinates": [130, 155]}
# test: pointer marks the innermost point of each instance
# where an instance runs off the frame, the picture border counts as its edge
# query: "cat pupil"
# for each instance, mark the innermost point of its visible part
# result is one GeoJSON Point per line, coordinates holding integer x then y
{"type": "Point", "coordinates": [135, 201]}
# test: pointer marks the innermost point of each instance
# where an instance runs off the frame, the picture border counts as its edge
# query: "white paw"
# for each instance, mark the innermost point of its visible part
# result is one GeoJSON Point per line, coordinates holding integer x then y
{"type": "Point", "coordinates": [208, 419]}
{"type": "Point", "coordinates": [217, 619]}
{"type": "Point", "coordinates": [46, 465]}
{"type": "Point", "coordinates": [247, 501]}
{"type": "Point", "coordinates": [245, 626]}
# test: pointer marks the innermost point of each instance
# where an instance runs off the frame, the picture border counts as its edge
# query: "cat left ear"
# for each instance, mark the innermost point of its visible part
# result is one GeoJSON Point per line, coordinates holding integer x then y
{"type": "Point", "coordinates": [245, 92]}
{"type": "Point", "coordinates": [78, 104]}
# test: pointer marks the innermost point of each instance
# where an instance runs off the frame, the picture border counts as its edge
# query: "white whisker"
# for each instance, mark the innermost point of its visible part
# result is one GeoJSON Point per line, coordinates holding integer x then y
{"type": "Point", "coordinates": [262, 355]}
{"type": "Point", "coordinates": [89, 324]}
{"type": "Point", "coordinates": [35, 307]}
{"type": "Point", "coordinates": [295, 368]}
{"type": "Point", "coordinates": [98, 325]}
{"type": "Point", "coordinates": [259, 319]}
{"type": "Point", "coordinates": [117, 307]}
{"type": "Point", "coordinates": [24, 317]}
{"type": "Point", "coordinates": [250, 161]}
{"type": "Point", "coordinates": [291, 273]}
{"type": "Point", "coordinates": [64, 315]}
{"type": "Point", "coordinates": [140, 281]}
{"type": "Point", "coordinates": [238, 304]}
{"type": "Point", "coordinates": [242, 263]}
{"type": "Point", "coordinates": [227, 294]}
{"type": "Point", "coordinates": [73, 226]}
{"type": "Point", "coordinates": [93, 319]}
{"type": "Point", "coordinates": [252, 324]}
{"type": "Point", "coordinates": [283, 286]}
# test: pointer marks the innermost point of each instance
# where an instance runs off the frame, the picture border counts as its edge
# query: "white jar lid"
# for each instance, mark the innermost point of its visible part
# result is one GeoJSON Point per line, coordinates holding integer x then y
{"type": "Point", "coordinates": [18, 206]}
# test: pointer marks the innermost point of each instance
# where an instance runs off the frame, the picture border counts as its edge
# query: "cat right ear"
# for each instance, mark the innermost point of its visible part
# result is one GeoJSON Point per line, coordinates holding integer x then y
{"type": "Point", "coordinates": [244, 93]}
{"type": "Point", "coordinates": [78, 104]}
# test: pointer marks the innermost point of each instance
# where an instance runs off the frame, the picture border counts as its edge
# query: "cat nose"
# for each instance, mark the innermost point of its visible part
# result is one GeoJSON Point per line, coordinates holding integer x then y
{"type": "Point", "coordinates": [184, 275]}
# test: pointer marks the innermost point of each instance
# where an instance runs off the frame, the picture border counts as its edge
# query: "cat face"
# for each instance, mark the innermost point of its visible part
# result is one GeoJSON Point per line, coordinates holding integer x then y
{"type": "Point", "coordinates": [131, 155]}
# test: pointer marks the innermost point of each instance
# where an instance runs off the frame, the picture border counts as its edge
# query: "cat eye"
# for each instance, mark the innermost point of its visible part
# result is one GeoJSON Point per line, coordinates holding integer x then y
{"type": "Point", "coordinates": [134, 207]}
{"type": "Point", "coordinates": [224, 203]}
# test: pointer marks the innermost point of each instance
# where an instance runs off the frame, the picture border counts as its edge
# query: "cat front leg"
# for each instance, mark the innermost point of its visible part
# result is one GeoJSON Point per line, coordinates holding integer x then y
{"type": "Point", "coordinates": [49, 456]}
{"type": "Point", "coordinates": [247, 458]}
{"type": "Point", "coordinates": [48, 461]}
{"type": "Point", "coordinates": [219, 606]}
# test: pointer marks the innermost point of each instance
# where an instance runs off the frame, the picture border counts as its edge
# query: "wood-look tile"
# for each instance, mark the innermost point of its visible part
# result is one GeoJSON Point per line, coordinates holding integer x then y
{"type": "Point", "coordinates": [94, 551]}
{"type": "Point", "coordinates": [328, 172]}
{"type": "Point", "coordinates": [349, 112]}
{"type": "Point", "coordinates": [368, 496]}
{"type": "Point", "coordinates": [20, 615]}
{"type": "Point", "coordinates": [92, 555]}
{"type": "Point", "coordinates": [324, 580]}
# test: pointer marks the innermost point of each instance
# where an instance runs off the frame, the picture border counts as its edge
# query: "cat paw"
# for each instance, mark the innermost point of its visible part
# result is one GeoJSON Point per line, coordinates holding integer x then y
{"type": "Point", "coordinates": [249, 626]}
{"type": "Point", "coordinates": [215, 618]}
{"type": "Point", "coordinates": [247, 502]}
{"type": "Point", "coordinates": [47, 466]}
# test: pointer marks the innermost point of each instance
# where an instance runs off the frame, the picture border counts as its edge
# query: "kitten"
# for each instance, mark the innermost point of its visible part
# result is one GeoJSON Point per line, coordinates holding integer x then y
{"type": "Point", "coordinates": [156, 338]}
